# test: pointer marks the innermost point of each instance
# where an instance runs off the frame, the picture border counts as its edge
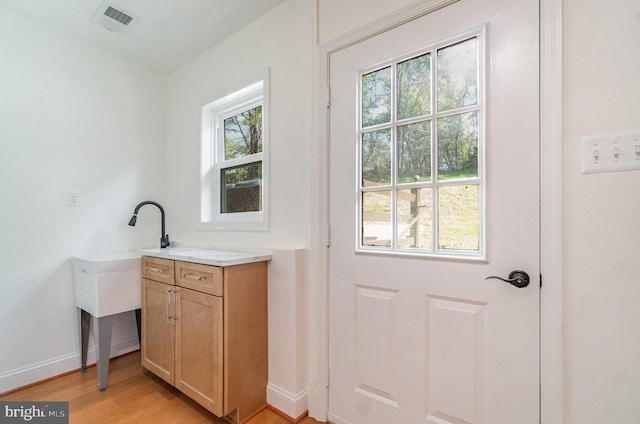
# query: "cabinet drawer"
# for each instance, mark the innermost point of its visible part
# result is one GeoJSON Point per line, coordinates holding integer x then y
{"type": "Point", "coordinates": [203, 278]}
{"type": "Point", "coordinates": [158, 269]}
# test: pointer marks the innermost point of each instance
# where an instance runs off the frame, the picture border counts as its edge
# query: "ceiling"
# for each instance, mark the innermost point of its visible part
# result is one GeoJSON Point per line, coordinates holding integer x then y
{"type": "Point", "coordinates": [164, 34]}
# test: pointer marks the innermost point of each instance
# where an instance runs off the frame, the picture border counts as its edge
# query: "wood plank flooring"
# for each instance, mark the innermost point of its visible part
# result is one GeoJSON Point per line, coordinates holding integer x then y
{"type": "Point", "coordinates": [133, 396]}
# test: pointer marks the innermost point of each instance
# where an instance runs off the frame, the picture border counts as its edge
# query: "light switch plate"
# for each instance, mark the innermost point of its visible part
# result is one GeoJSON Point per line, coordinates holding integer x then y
{"type": "Point", "coordinates": [611, 152]}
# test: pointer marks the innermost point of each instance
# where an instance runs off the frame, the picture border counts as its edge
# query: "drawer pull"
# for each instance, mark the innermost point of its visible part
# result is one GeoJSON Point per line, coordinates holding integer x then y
{"type": "Point", "coordinates": [148, 268]}
{"type": "Point", "coordinates": [194, 277]}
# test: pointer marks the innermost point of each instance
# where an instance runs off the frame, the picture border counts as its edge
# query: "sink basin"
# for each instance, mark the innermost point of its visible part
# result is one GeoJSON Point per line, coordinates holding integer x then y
{"type": "Point", "coordinates": [107, 283]}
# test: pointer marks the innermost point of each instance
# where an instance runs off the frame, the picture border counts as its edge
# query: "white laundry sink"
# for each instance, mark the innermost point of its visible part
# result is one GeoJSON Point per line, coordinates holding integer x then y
{"type": "Point", "coordinates": [107, 283]}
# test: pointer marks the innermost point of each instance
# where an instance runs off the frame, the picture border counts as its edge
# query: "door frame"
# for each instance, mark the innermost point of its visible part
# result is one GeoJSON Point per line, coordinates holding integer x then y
{"type": "Point", "coordinates": [551, 212]}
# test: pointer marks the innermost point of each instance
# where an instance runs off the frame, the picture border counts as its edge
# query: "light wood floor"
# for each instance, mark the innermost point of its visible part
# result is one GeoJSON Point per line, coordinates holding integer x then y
{"type": "Point", "coordinates": [133, 396]}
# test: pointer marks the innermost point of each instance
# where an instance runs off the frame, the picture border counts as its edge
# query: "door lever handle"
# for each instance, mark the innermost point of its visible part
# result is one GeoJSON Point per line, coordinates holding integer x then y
{"type": "Point", "coordinates": [516, 278]}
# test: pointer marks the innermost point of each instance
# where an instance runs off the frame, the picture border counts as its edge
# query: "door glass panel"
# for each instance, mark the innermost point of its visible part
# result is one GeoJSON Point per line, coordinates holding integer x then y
{"type": "Point", "coordinates": [376, 97]}
{"type": "Point", "coordinates": [414, 152]}
{"type": "Point", "coordinates": [415, 213]}
{"type": "Point", "coordinates": [376, 158]}
{"type": "Point", "coordinates": [457, 78]}
{"type": "Point", "coordinates": [458, 218]}
{"type": "Point", "coordinates": [420, 157]}
{"type": "Point", "coordinates": [376, 218]}
{"type": "Point", "coordinates": [458, 146]}
{"type": "Point", "coordinates": [414, 87]}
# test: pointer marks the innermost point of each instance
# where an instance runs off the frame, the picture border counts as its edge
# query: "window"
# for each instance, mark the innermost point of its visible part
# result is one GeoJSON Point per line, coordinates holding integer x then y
{"type": "Point", "coordinates": [421, 184]}
{"type": "Point", "coordinates": [233, 166]}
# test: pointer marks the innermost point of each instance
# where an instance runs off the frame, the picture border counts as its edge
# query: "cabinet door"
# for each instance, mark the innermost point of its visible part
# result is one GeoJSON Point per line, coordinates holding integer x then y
{"type": "Point", "coordinates": [158, 330]}
{"type": "Point", "coordinates": [199, 347]}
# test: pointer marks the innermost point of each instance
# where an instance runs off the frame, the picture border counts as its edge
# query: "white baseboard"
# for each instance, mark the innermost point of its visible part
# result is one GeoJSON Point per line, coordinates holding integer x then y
{"type": "Point", "coordinates": [24, 376]}
{"type": "Point", "coordinates": [336, 420]}
{"type": "Point", "coordinates": [291, 404]}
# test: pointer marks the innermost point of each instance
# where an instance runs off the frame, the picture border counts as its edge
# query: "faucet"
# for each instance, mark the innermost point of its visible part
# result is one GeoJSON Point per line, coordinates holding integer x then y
{"type": "Point", "coordinates": [164, 238]}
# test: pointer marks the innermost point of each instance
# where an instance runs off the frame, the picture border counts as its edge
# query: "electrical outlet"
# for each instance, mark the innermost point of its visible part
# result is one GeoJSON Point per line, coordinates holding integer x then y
{"type": "Point", "coordinates": [74, 199]}
{"type": "Point", "coordinates": [611, 152]}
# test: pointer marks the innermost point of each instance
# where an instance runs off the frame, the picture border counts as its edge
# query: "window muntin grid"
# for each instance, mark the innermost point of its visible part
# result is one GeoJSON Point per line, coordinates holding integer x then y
{"type": "Point", "coordinates": [420, 152]}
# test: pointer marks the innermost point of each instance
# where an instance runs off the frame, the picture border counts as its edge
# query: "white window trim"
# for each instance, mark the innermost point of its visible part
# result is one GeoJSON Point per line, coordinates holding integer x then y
{"type": "Point", "coordinates": [241, 96]}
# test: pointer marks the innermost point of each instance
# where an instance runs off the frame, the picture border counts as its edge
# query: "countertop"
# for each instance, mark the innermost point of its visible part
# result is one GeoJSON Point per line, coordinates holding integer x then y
{"type": "Point", "coordinates": [207, 256]}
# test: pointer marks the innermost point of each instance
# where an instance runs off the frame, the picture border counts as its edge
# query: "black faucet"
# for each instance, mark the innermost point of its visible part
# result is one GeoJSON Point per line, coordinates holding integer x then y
{"type": "Point", "coordinates": [164, 238]}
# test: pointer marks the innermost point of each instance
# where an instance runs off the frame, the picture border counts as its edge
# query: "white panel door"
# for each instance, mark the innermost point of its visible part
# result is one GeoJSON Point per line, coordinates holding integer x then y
{"type": "Point", "coordinates": [418, 338]}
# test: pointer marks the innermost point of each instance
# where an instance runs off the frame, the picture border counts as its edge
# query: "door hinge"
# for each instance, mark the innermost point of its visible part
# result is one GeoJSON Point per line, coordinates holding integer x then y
{"type": "Point", "coordinates": [328, 97]}
{"type": "Point", "coordinates": [328, 237]}
{"type": "Point", "coordinates": [540, 280]}
{"type": "Point", "coordinates": [327, 377]}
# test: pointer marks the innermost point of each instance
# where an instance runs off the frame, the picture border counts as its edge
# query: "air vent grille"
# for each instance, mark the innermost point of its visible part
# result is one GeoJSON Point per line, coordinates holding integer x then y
{"type": "Point", "coordinates": [117, 15]}
{"type": "Point", "coordinates": [114, 18]}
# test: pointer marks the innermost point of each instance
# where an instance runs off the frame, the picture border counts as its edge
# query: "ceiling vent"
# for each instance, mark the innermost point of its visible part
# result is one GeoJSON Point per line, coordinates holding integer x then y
{"type": "Point", "coordinates": [113, 18]}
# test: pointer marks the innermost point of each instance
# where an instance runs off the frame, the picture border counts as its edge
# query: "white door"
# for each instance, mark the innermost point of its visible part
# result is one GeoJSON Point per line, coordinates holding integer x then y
{"type": "Point", "coordinates": [431, 192]}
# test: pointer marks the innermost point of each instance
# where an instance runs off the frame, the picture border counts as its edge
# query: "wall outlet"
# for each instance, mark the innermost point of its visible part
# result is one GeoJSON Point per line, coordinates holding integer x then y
{"type": "Point", "coordinates": [611, 152]}
{"type": "Point", "coordinates": [74, 198]}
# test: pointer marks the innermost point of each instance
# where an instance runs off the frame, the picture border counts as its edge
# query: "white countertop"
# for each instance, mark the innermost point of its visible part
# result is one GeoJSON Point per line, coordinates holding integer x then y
{"type": "Point", "coordinates": [207, 256]}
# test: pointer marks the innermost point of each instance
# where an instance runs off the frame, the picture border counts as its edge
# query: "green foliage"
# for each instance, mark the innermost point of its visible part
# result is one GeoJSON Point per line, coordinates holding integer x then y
{"type": "Point", "coordinates": [458, 146]}
{"type": "Point", "coordinates": [457, 75]}
{"type": "Point", "coordinates": [414, 87]}
{"type": "Point", "coordinates": [243, 133]}
{"type": "Point", "coordinates": [456, 135]}
{"type": "Point", "coordinates": [376, 97]}
{"type": "Point", "coordinates": [243, 137]}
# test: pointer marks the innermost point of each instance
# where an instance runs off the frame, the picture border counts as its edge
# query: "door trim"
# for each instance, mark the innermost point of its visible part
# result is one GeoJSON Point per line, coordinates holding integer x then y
{"type": "Point", "coordinates": [551, 212]}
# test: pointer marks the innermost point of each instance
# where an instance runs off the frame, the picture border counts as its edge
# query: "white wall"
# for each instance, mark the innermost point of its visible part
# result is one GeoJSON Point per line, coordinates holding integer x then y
{"type": "Point", "coordinates": [337, 18]}
{"type": "Point", "coordinates": [602, 215]}
{"type": "Point", "coordinates": [281, 41]}
{"type": "Point", "coordinates": [72, 117]}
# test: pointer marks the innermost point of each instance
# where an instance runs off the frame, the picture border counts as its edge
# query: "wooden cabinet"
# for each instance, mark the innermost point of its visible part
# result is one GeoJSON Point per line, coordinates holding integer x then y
{"type": "Point", "coordinates": [204, 330]}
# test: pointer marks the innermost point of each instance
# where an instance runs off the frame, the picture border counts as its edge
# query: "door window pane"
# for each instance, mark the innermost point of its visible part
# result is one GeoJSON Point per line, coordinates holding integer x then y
{"type": "Point", "coordinates": [376, 158]}
{"type": "Point", "coordinates": [376, 97]}
{"type": "Point", "coordinates": [415, 219]}
{"type": "Point", "coordinates": [414, 152]}
{"type": "Point", "coordinates": [458, 146]}
{"type": "Point", "coordinates": [414, 87]}
{"type": "Point", "coordinates": [457, 79]}
{"type": "Point", "coordinates": [458, 218]}
{"type": "Point", "coordinates": [376, 218]}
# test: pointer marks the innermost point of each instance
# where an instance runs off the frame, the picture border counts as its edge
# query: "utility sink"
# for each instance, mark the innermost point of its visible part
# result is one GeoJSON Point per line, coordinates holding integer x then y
{"type": "Point", "coordinates": [107, 283]}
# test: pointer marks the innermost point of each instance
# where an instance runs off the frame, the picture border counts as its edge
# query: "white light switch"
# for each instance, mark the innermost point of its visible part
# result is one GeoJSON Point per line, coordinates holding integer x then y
{"type": "Point", "coordinates": [611, 152]}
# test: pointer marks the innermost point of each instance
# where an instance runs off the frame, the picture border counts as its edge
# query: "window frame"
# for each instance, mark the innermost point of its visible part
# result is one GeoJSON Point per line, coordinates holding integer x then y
{"type": "Point", "coordinates": [434, 183]}
{"type": "Point", "coordinates": [240, 97]}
